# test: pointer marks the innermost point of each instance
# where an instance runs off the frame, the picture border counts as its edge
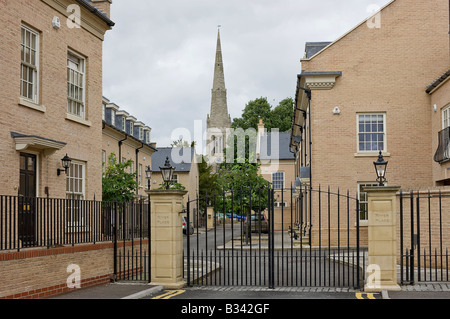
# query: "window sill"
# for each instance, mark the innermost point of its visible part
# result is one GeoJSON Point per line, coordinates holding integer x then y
{"type": "Point", "coordinates": [371, 154]}
{"type": "Point", "coordinates": [363, 223]}
{"type": "Point", "coordinates": [32, 105]}
{"type": "Point", "coordinates": [77, 119]}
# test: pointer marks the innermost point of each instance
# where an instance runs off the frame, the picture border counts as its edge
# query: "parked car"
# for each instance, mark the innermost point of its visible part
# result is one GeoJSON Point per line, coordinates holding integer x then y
{"type": "Point", "coordinates": [191, 228]}
{"type": "Point", "coordinates": [258, 222]}
{"type": "Point", "coordinates": [232, 215]}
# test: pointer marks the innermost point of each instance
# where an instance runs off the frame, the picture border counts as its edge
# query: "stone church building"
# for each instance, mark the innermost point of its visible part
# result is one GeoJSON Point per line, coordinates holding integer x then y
{"type": "Point", "coordinates": [219, 120]}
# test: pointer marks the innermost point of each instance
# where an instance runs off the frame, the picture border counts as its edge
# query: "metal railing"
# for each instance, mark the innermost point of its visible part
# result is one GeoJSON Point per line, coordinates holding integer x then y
{"type": "Point", "coordinates": [30, 222]}
{"type": "Point", "coordinates": [443, 151]}
{"type": "Point", "coordinates": [424, 241]}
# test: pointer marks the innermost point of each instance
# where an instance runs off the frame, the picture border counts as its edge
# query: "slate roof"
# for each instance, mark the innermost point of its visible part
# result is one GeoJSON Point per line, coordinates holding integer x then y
{"type": "Point", "coordinates": [313, 48]}
{"type": "Point", "coordinates": [281, 147]}
{"type": "Point", "coordinates": [438, 81]}
{"type": "Point", "coordinates": [159, 158]}
{"type": "Point", "coordinates": [87, 4]}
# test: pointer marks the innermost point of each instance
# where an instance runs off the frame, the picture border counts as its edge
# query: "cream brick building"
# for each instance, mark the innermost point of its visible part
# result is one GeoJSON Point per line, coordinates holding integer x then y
{"type": "Point", "coordinates": [369, 93]}
{"type": "Point", "coordinates": [51, 97]}
{"type": "Point", "coordinates": [51, 105]}
{"type": "Point", "coordinates": [129, 139]}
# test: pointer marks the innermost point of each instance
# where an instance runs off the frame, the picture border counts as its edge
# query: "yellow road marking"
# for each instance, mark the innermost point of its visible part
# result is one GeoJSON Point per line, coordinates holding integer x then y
{"type": "Point", "coordinates": [360, 295]}
{"type": "Point", "coordinates": [170, 294]}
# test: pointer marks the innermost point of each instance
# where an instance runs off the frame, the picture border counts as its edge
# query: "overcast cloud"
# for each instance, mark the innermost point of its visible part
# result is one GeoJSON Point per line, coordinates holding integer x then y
{"type": "Point", "coordinates": [159, 58]}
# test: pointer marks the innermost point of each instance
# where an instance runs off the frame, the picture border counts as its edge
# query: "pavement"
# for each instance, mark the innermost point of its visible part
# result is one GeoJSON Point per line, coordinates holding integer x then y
{"type": "Point", "coordinates": [130, 290]}
{"type": "Point", "coordinates": [124, 290]}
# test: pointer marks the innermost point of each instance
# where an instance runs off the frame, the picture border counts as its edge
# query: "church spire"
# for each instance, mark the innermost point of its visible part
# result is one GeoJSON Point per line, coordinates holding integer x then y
{"type": "Point", "coordinates": [219, 117]}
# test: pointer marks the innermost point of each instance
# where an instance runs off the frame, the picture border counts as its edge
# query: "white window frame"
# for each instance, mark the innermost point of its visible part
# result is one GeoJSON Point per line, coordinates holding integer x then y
{"type": "Point", "coordinates": [175, 179]}
{"type": "Point", "coordinates": [141, 133]}
{"type": "Point", "coordinates": [278, 181]}
{"type": "Point", "coordinates": [73, 192]}
{"type": "Point", "coordinates": [147, 137]}
{"type": "Point", "coordinates": [113, 117]}
{"type": "Point", "coordinates": [364, 201]}
{"type": "Point", "coordinates": [28, 65]}
{"type": "Point", "coordinates": [80, 100]}
{"type": "Point", "coordinates": [124, 124]}
{"type": "Point", "coordinates": [370, 133]}
{"type": "Point", "coordinates": [446, 117]}
{"type": "Point", "coordinates": [131, 128]}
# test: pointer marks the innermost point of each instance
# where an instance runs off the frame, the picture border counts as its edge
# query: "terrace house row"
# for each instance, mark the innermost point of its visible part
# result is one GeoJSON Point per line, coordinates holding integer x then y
{"type": "Point", "coordinates": [128, 139]}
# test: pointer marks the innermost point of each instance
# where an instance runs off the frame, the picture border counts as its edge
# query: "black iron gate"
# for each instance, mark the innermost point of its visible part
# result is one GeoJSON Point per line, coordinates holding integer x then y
{"type": "Point", "coordinates": [274, 237]}
{"type": "Point", "coordinates": [424, 241]}
{"type": "Point", "coordinates": [131, 233]}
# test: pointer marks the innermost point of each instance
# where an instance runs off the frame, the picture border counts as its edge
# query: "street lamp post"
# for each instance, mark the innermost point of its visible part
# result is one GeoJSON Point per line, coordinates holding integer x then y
{"type": "Point", "coordinates": [148, 174]}
{"type": "Point", "coordinates": [380, 168]}
{"type": "Point", "coordinates": [167, 173]}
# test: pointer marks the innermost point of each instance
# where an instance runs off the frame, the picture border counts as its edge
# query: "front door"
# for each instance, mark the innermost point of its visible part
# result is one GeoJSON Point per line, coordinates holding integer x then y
{"type": "Point", "coordinates": [27, 200]}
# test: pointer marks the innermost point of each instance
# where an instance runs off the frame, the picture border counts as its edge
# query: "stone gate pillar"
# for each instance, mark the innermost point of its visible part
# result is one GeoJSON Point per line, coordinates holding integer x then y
{"type": "Point", "coordinates": [167, 238]}
{"type": "Point", "coordinates": [382, 263]}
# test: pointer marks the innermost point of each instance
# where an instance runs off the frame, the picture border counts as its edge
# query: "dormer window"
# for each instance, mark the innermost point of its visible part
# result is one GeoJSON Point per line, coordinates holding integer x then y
{"type": "Point", "coordinates": [113, 117]}
{"type": "Point", "coordinates": [131, 127]}
{"type": "Point", "coordinates": [124, 122]}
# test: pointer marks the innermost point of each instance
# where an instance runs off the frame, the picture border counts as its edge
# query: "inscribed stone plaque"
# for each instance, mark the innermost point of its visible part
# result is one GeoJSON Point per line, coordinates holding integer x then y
{"type": "Point", "coordinates": [381, 212]}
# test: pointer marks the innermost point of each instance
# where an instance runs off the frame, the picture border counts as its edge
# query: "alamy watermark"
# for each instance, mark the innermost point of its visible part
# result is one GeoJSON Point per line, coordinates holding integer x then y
{"type": "Point", "coordinates": [74, 279]}
{"type": "Point", "coordinates": [230, 145]}
{"type": "Point", "coordinates": [373, 276]}
{"type": "Point", "coordinates": [374, 21]}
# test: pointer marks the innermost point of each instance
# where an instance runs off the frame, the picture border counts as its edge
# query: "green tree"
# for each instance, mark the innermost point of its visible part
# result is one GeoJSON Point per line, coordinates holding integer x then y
{"type": "Point", "coordinates": [279, 117]}
{"type": "Point", "coordinates": [117, 184]}
{"type": "Point", "coordinates": [253, 111]}
{"type": "Point", "coordinates": [243, 187]}
{"type": "Point", "coordinates": [207, 180]}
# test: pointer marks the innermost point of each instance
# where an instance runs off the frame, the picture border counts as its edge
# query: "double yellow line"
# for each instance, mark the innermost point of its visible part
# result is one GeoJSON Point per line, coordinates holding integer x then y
{"type": "Point", "coordinates": [359, 295]}
{"type": "Point", "coordinates": [170, 294]}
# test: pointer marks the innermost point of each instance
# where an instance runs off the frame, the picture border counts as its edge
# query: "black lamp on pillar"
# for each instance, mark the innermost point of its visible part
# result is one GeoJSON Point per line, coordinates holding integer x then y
{"type": "Point", "coordinates": [380, 168]}
{"type": "Point", "coordinates": [167, 173]}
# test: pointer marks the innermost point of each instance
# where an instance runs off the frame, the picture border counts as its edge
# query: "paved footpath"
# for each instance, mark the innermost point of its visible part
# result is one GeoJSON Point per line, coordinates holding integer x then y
{"type": "Point", "coordinates": [145, 291]}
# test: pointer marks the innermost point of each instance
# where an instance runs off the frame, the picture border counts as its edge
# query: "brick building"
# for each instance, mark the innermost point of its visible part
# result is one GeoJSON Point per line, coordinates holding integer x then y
{"type": "Point", "coordinates": [51, 96]}
{"type": "Point", "coordinates": [50, 101]}
{"type": "Point", "coordinates": [129, 139]}
{"type": "Point", "coordinates": [369, 94]}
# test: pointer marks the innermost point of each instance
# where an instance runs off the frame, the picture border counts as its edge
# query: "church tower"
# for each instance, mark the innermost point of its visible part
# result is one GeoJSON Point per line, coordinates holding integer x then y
{"type": "Point", "coordinates": [218, 121]}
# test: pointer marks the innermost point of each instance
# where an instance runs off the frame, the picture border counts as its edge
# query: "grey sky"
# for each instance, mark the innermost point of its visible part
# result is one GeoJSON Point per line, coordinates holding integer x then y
{"type": "Point", "coordinates": [159, 58]}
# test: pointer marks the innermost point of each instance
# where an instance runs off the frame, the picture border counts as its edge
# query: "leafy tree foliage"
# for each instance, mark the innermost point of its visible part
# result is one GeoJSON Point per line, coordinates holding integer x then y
{"type": "Point", "coordinates": [279, 117]}
{"type": "Point", "coordinates": [117, 184]}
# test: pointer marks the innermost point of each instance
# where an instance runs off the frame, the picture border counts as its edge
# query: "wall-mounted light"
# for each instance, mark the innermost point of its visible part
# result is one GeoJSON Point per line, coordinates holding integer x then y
{"type": "Point", "coordinates": [65, 164]}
